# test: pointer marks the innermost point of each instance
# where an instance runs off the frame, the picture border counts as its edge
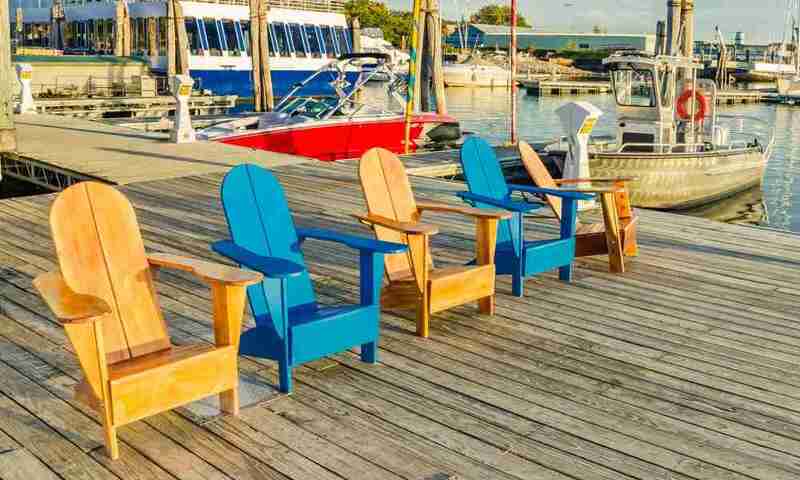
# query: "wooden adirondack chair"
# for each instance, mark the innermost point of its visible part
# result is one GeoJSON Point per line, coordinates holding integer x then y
{"type": "Point", "coordinates": [105, 298]}
{"type": "Point", "coordinates": [515, 256]}
{"type": "Point", "coordinates": [291, 328]}
{"type": "Point", "coordinates": [413, 281]}
{"type": "Point", "coordinates": [616, 236]}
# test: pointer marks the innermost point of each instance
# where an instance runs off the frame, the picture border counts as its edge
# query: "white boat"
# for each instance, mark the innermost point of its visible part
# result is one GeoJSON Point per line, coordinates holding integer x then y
{"type": "Point", "coordinates": [301, 41]}
{"type": "Point", "coordinates": [475, 75]}
{"type": "Point", "coordinates": [372, 41]}
{"type": "Point", "coordinates": [679, 159]}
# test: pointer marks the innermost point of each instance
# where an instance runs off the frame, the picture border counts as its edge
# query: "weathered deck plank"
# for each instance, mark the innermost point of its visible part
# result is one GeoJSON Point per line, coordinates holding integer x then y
{"type": "Point", "coordinates": [683, 368]}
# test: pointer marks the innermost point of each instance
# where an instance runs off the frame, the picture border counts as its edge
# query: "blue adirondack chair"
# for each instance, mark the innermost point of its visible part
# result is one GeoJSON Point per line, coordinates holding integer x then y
{"type": "Point", "coordinates": [515, 256]}
{"type": "Point", "coordinates": [291, 328]}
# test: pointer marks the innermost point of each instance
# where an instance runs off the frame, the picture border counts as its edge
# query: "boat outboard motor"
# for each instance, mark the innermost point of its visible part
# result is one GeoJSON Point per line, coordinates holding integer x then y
{"type": "Point", "coordinates": [182, 131]}
{"type": "Point", "coordinates": [25, 76]}
{"type": "Point", "coordinates": [578, 120]}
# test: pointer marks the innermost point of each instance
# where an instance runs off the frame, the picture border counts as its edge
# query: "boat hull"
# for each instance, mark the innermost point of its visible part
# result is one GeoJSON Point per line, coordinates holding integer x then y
{"type": "Point", "coordinates": [240, 82]}
{"type": "Point", "coordinates": [683, 180]}
{"type": "Point", "coordinates": [339, 140]}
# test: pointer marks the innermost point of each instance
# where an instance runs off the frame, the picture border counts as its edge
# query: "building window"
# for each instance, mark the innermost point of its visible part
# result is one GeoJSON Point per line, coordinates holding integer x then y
{"type": "Point", "coordinates": [244, 31]}
{"type": "Point", "coordinates": [193, 34]}
{"type": "Point", "coordinates": [584, 46]}
{"type": "Point", "coordinates": [297, 40]}
{"type": "Point", "coordinates": [232, 43]}
{"type": "Point", "coordinates": [344, 39]}
{"type": "Point", "coordinates": [329, 37]}
{"type": "Point", "coordinates": [313, 41]}
{"type": "Point", "coordinates": [212, 37]}
{"type": "Point", "coordinates": [280, 38]}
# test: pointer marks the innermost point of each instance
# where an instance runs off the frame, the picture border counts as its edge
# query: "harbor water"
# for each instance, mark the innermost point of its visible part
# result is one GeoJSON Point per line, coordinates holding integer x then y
{"type": "Point", "coordinates": [776, 204]}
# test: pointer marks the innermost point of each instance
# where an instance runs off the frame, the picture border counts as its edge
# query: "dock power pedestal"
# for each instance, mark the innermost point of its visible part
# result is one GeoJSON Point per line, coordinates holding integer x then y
{"type": "Point", "coordinates": [25, 77]}
{"type": "Point", "coordinates": [578, 120]}
{"type": "Point", "coordinates": [182, 131]}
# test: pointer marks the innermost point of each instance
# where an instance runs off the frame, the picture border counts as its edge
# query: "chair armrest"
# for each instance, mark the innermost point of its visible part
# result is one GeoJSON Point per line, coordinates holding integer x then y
{"type": "Point", "coordinates": [208, 271]}
{"type": "Point", "coordinates": [595, 180]}
{"type": "Point", "coordinates": [358, 243]}
{"type": "Point", "coordinates": [411, 228]}
{"type": "Point", "coordinates": [270, 267]}
{"type": "Point", "coordinates": [517, 207]}
{"type": "Point", "coordinates": [69, 307]}
{"type": "Point", "coordinates": [550, 191]}
{"type": "Point", "coordinates": [468, 211]}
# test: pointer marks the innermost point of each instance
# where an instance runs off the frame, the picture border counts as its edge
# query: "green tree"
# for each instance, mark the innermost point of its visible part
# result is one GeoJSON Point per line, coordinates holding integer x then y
{"type": "Point", "coordinates": [374, 14]}
{"type": "Point", "coordinates": [497, 15]}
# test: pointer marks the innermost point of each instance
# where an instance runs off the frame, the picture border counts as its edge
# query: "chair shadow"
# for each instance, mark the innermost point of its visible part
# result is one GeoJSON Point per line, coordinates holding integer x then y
{"type": "Point", "coordinates": [167, 157]}
{"type": "Point", "coordinates": [101, 132]}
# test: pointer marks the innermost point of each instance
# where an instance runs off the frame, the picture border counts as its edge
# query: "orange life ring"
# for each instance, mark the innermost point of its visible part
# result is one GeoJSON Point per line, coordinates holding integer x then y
{"type": "Point", "coordinates": [683, 105]}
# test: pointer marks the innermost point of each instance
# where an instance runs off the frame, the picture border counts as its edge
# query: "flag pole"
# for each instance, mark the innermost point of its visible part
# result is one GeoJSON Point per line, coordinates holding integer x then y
{"type": "Point", "coordinates": [412, 71]}
{"type": "Point", "coordinates": [513, 55]}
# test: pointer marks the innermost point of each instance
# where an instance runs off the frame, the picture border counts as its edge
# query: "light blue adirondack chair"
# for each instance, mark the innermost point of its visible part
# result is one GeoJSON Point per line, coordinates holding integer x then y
{"type": "Point", "coordinates": [291, 328]}
{"type": "Point", "coordinates": [515, 256]}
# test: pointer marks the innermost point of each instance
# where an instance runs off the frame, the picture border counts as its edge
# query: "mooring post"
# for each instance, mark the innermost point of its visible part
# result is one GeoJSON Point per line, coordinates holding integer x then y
{"type": "Point", "coordinates": [435, 27]}
{"type": "Point", "coordinates": [25, 78]}
{"type": "Point", "coordinates": [426, 62]}
{"type": "Point", "coordinates": [171, 39]}
{"type": "Point", "coordinates": [182, 131]}
{"type": "Point", "coordinates": [8, 134]}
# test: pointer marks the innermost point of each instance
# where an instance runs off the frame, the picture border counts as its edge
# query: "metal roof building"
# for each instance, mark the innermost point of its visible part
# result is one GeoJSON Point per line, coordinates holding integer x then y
{"type": "Point", "coordinates": [499, 36]}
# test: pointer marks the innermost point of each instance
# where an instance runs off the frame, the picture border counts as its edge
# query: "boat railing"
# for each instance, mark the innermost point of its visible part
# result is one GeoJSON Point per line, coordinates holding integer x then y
{"type": "Point", "coordinates": [695, 147]}
{"type": "Point", "coordinates": [309, 5]}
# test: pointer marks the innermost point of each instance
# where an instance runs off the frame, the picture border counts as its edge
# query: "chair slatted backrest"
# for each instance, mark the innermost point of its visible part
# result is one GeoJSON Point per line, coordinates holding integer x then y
{"type": "Point", "coordinates": [259, 220]}
{"type": "Point", "coordinates": [485, 177]}
{"type": "Point", "coordinates": [388, 193]}
{"type": "Point", "coordinates": [101, 253]}
{"type": "Point", "coordinates": [540, 175]}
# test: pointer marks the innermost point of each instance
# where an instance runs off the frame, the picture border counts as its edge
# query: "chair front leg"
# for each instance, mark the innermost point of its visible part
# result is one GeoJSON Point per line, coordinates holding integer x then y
{"type": "Point", "coordinates": [569, 226]}
{"type": "Point", "coordinates": [613, 240]}
{"type": "Point", "coordinates": [370, 285]}
{"type": "Point", "coordinates": [418, 257]}
{"type": "Point", "coordinates": [486, 246]}
{"type": "Point", "coordinates": [228, 307]}
{"type": "Point", "coordinates": [518, 278]}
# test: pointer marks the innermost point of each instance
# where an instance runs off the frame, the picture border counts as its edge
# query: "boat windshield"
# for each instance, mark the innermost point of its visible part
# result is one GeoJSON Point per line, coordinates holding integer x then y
{"type": "Point", "coordinates": [309, 107]}
{"type": "Point", "coordinates": [634, 88]}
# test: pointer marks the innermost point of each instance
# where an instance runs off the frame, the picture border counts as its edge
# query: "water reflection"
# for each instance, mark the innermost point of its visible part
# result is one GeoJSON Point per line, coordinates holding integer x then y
{"type": "Point", "coordinates": [745, 207]}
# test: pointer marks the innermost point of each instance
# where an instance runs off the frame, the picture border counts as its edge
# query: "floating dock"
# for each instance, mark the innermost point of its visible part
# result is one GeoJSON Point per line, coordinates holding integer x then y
{"type": "Point", "coordinates": [134, 107]}
{"type": "Point", "coordinates": [732, 97]}
{"type": "Point", "coordinates": [683, 368]}
{"type": "Point", "coordinates": [565, 87]}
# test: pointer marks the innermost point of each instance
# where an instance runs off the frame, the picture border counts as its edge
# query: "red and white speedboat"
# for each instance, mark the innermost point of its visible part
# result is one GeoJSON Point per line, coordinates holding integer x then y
{"type": "Point", "coordinates": [336, 128]}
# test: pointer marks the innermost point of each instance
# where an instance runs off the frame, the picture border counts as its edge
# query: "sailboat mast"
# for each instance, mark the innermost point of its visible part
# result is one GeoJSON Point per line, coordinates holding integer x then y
{"type": "Point", "coordinates": [513, 56]}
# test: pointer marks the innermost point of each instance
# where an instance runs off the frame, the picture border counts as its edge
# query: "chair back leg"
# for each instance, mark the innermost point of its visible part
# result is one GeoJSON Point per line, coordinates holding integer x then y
{"type": "Point", "coordinates": [229, 401]}
{"type": "Point", "coordinates": [285, 376]}
{"type": "Point", "coordinates": [369, 352]}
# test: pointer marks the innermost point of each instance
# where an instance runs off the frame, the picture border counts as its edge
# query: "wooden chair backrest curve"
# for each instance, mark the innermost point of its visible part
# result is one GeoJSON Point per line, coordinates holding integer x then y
{"type": "Point", "coordinates": [485, 177]}
{"type": "Point", "coordinates": [540, 175]}
{"type": "Point", "coordinates": [259, 220]}
{"type": "Point", "coordinates": [388, 193]}
{"type": "Point", "coordinates": [101, 253]}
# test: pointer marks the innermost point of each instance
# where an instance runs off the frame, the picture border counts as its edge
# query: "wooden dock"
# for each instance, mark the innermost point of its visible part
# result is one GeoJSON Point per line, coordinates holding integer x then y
{"type": "Point", "coordinates": [565, 87]}
{"type": "Point", "coordinates": [54, 152]}
{"type": "Point", "coordinates": [684, 368]}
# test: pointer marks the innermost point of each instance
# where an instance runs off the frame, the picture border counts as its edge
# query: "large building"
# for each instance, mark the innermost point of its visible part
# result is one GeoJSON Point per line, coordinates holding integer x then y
{"type": "Point", "coordinates": [498, 36]}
